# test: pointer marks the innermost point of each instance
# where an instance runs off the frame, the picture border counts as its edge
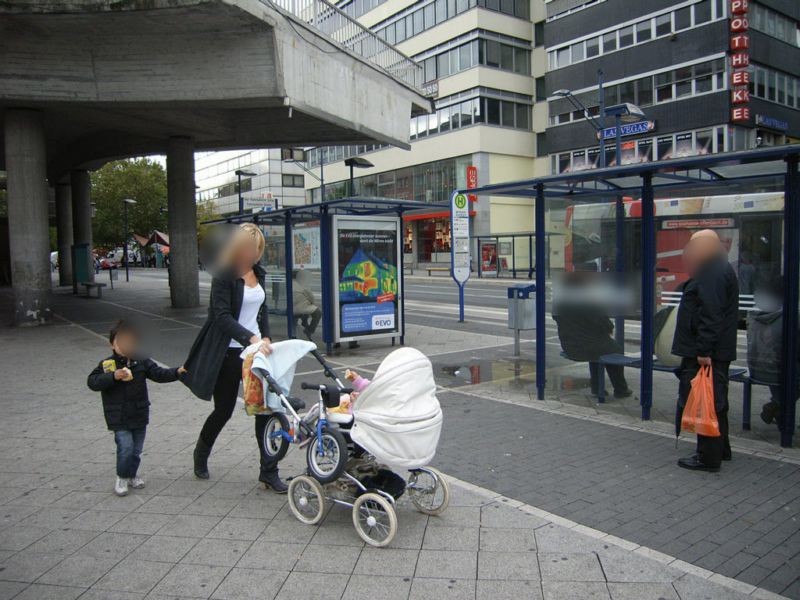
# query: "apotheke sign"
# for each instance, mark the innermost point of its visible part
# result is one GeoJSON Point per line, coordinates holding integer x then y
{"type": "Point", "coordinates": [740, 60]}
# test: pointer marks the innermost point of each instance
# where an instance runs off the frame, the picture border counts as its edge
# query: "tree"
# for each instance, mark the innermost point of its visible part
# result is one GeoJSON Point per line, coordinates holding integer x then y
{"type": "Point", "coordinates": [206, 211]}
{"type": "Point", "coordinates": [141, 179]}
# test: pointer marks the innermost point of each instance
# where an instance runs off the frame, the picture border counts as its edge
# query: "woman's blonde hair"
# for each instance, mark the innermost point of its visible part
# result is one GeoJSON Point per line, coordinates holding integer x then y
{"type": "Point", "coordinates": [246, 233]}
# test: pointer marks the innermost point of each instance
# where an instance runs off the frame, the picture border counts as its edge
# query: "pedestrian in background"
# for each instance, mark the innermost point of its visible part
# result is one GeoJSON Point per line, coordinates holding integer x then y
{"type": "Point", "coordinates": [705, 335]}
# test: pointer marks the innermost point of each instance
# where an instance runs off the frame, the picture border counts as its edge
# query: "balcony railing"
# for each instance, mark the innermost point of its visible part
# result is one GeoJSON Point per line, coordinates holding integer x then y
{"type": "Point", "coordinates": [352, 36]}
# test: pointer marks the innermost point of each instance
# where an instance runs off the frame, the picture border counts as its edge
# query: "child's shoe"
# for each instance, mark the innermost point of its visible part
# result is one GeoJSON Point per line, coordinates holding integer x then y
{"type": "Point", "coordinates": [136, 483]}
{"type": "Point", "coordinates": [121, 488]}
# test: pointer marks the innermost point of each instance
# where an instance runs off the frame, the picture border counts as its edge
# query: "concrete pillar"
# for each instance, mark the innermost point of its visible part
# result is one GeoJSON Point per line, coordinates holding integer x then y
{"type": "Point", "coordinates": [81, 185]}
{"type": "Point", "coordinates": [64, 232]}
{"type": "Point", "coordinates": [184, 287]}
{"type": "Point", "coordinates": [28, 230]}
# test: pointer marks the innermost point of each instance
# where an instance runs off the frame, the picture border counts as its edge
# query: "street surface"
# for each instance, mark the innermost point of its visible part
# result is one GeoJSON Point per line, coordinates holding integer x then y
{"type": "Point", "coordinates": [603, 510]}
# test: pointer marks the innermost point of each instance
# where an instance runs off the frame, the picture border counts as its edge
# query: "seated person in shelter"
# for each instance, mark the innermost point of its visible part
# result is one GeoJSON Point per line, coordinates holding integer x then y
{"type": "Point", "coordinates": [585, 332]}
{"type": "Point", "coordinates": [765, 343]}
{"type": "Point", "coordinates": [304, 303]}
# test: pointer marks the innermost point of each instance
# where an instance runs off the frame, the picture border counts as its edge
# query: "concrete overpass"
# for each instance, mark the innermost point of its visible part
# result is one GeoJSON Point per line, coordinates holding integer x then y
{"type": "Point", "coordinates": [86, 81]}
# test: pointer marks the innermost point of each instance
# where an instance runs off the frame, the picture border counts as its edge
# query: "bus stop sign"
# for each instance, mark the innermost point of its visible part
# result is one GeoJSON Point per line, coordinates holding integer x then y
{"type": "Point", "coordinates": [459, 238]}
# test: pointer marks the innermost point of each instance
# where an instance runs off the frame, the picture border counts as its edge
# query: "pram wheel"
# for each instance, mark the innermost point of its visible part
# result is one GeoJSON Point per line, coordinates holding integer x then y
{"type": "Point", "coordinates": [374, 519]}
{"type": "Point", "coordinates": [428, 491]}
{"type": "Point", "coordinates": [328, 465]}
{"type": "Point", "coordinates": [306, 499]}
{"type": "Point", "coordinates": [275, 445]}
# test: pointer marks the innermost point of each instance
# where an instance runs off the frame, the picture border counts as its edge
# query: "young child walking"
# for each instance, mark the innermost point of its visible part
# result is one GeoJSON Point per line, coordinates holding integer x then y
{"type": "Point", "coordinates": [121, 380]}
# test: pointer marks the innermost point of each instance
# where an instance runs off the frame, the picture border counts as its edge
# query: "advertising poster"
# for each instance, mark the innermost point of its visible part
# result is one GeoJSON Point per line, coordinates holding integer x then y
{"type": "Point", "coordinates": [306, 246]}
{"type": "Point", "coordinates": [367, 264]}
{"type": "Point", "coordinates": [489, 258]}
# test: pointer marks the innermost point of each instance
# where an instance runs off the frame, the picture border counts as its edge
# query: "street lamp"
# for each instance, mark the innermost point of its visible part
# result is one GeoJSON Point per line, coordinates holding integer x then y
{"type": "Point", "coordinates": [320, 177]}
{"type": "Point", "coordinates": [126, 202]}
{"type": "Point", "coordinates": [356, 162]}
{"type": "Point", "coordinates": [239, 173]}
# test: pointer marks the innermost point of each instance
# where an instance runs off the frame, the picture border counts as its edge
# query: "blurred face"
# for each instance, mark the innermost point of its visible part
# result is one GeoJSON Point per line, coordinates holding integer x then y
{"type": "Point", "coordinates": [125, 343]}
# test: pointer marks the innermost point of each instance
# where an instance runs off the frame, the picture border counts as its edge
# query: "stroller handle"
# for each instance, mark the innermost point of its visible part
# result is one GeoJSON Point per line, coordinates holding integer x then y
{"type": "Point", "coordinates": [321, 387]}
{"type": "Point", "coordinates": [327, 369]}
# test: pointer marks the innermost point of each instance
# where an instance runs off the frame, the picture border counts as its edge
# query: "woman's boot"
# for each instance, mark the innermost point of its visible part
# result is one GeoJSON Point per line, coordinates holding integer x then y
{"type": "Point", "coordinates": [201, 453]}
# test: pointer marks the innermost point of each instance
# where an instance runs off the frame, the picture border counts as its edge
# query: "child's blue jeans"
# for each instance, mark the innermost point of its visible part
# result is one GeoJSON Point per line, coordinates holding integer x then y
{"type": "Point", "coordinates": [129, 451]}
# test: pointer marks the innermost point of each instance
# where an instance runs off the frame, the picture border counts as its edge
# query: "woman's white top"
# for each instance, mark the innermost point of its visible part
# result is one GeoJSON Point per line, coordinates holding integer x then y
{"type": "Point", "coordinates": [248, 317]}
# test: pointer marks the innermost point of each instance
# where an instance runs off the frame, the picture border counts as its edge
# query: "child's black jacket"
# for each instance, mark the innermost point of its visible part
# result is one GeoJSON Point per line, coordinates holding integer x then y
{"type": "Point", "coordinates": [125, 403]}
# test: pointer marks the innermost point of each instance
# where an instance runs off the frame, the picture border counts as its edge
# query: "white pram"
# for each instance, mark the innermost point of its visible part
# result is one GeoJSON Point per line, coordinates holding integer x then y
{"type": "Point", "coordinates": [395, 424]}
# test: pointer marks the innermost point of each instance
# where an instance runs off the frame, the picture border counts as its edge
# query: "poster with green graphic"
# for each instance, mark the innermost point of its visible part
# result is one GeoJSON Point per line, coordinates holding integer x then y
{"type": "Point", "coordinates": [368, 285]}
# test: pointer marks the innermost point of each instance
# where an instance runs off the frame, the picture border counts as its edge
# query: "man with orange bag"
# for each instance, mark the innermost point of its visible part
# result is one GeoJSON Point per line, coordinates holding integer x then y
{"type": "Point", "coordinates": [705, 335]}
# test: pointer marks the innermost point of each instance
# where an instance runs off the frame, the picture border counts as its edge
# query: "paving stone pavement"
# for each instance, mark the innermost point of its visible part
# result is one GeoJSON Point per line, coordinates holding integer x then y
{"type": "Point", "coordinates": [63, 534]}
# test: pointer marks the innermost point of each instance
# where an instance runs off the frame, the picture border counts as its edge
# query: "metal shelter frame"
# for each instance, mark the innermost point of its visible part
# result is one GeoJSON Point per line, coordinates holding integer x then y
{"type": "Point", "coordinates": [324, 212]}
{"type": "Point", "coordinates": [734, 170]}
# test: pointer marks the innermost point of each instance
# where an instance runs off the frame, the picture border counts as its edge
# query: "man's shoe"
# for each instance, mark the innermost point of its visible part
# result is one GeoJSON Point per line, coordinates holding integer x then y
{"type": "Point", "coordinates": [626, 393]}
{"type": "Point", "coordinates": [297, 404]}
{"type": "Point", "coordinates": [201, 453]}
{"type": "Point", "coordinates": [769, 411]}
{"type": "Point", "coordinates": [727, 456]}
{"type": "Point", "coordinates": [136, 483]}
{"type": "Point", "coordinates": [121, 487]}
{"type": "Point", "coordinates": [272, 481]}
{"type": "Point", "coordinates": [693, 464]}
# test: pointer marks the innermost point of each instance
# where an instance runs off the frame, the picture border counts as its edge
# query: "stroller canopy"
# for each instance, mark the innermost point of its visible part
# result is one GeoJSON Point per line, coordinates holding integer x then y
{"type": "Point", "coordinates": [398, 418]}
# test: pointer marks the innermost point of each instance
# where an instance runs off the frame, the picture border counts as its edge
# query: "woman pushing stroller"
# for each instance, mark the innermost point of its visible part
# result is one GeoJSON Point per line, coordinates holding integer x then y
{"type": "Point", "coordinates": [237, 318]}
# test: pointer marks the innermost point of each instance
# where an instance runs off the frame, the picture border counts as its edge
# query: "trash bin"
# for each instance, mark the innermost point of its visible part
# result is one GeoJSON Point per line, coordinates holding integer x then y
{"type": "Point", "coordinates": [521, 311]}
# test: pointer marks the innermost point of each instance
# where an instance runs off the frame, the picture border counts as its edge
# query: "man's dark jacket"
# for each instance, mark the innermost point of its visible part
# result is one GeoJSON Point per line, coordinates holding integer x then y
{"type": "Point", "coordinates": [221, 327]}
{"type": "Point", "coordinates": [125, 403]}
{"type": "Point", "coordinates": [708, 313]}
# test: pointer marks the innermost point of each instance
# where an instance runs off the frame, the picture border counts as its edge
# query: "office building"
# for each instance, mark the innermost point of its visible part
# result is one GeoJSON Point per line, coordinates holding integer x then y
{"type": "Point", "coordinates": [483, 63]}
{"type": "Point", "coordinates": [709, 75]}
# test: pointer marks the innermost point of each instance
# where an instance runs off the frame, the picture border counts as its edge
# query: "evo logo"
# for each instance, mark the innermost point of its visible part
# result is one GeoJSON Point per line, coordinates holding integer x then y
{"type": "Point", "coordinates": [383, 321]}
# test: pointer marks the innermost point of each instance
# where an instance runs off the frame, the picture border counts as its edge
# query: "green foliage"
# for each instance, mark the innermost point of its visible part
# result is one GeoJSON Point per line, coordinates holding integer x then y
{"type": "Point", "coordinates": [206, 211]}
{"type": "Point", "coordinates": [140, 179]}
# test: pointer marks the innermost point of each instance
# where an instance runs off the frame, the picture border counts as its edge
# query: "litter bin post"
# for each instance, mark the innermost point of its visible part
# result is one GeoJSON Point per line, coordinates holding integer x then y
{"type": "Point", "coordinates": [521, 311]}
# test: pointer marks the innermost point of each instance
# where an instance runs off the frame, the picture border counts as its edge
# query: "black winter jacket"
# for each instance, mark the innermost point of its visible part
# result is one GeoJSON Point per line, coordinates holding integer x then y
{"type": "Point", "coordinates": [125, 403]}
{"type": "Point", "coordinates": [709, 313]}
{"type": "Point", "coordinates": [221, 326]}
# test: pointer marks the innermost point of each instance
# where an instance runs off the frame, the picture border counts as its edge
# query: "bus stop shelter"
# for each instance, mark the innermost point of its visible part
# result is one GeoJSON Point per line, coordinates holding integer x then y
{"type": "Point", "coordinates": [324, 213]}
{"type": "Point", "coordinates": [766, 169]}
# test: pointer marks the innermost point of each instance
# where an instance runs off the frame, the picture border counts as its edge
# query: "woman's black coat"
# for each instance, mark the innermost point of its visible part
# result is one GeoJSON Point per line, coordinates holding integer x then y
{"type": "Point", "coordinates": [222, 325]}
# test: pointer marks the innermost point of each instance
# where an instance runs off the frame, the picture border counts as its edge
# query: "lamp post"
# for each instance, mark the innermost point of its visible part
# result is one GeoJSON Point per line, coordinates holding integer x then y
{"type": "Point", "coordinates": [126, 202]}
{"type": "Point", "coordinates": [598, 124]}
{"type": "Point", "coordinates": [356, 162]}
{"type": "Point", "coordinates": [239, 173]}
{"type": "Point", "coordinates": [628, 113]}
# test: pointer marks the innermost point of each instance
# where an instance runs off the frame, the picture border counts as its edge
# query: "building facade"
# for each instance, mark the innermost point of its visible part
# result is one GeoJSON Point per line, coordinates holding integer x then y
{"type": "Point", "coordinates": [484, 64]}
{"type": "Point", "coordinates": [270, 180]}
{"type": "Point", "coordinates": [709, 75]}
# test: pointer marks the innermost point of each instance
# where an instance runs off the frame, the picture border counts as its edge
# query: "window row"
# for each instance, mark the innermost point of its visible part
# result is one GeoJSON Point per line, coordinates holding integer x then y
{"type": "Point", "coordinates": [637, 33]}
{"type": "Point", "coordinates": [689, 143]}
{"type": "Point", "coordinates": [774, 86]}
{"type": "Point", "coordinates": [332, 154]}
{"type": "Point", "coordinates": [356, 8]}
{"type": "Point", "coordinates": [659, 88]}
{"type": "Point", "coordinates": [485, 52]}
{"type": "Point", "coordinates": [774, 24]}
{"type": "Point", "coordinates": [491, 111]}
{"type": "Point", "coordinates": [573, 10]}
{"type": "Point", "coordinates": [423, 16]}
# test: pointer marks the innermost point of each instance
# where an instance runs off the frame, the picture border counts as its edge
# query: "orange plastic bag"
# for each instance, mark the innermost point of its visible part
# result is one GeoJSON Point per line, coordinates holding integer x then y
{"type": "Point", "coordinates": [253, 389]}
{"type": "Point", "coordinates": [699, 415]}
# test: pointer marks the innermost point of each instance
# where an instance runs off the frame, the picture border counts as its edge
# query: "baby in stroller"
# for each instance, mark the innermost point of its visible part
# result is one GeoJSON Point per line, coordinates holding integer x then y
{"type": "Point", "coordinates": [358, 384]}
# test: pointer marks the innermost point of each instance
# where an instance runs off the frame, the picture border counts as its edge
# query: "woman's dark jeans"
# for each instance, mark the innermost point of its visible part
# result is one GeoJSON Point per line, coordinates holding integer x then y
{"type": "Point", "coordinates": [226, 392]}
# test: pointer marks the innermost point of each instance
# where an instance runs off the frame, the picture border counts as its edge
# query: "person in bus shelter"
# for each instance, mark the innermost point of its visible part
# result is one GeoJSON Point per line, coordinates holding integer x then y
{"type": "Point", "coordinates": [705, 334]}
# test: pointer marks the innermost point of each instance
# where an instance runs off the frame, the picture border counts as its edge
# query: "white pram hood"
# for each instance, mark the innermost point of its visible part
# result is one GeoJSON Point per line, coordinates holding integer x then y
{"type": "Point", "coordinates": [398, 418]}
{"type": "Point", "coordinates": [280, 364]}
